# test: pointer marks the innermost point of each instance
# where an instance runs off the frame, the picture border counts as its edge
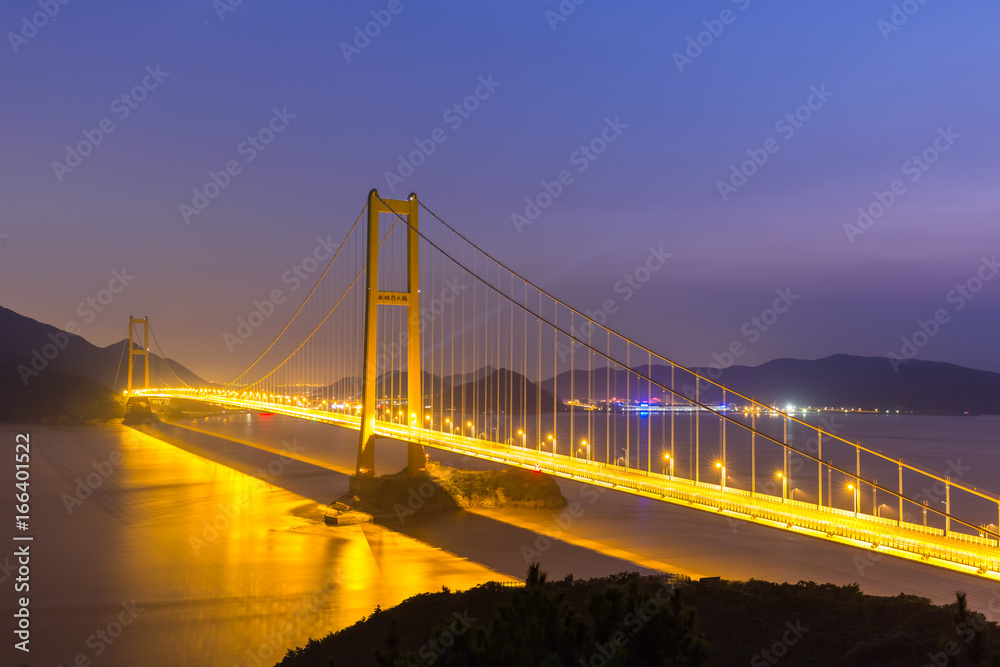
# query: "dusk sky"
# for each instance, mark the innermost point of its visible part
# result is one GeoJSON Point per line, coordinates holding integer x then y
{"type": "Point", "coordinates": [890, 107]}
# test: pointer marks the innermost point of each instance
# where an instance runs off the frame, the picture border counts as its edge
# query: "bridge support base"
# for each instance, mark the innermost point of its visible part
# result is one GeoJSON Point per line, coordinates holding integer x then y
{"type": "Point", "coordinates": [416, 460]}
{"type": "Point", "coordinates": [362, 485]}
{"type": "Point", "coordinates": [395, 497]}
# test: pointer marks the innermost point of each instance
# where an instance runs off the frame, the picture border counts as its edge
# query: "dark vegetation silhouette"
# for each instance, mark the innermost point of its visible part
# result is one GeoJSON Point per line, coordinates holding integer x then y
{"type": "Point", "coordinates": [600, 621]}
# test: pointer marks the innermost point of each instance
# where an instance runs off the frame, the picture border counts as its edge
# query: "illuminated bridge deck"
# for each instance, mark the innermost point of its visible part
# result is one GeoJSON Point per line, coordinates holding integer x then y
{"type": "Point", "coordinates": [961, 552]}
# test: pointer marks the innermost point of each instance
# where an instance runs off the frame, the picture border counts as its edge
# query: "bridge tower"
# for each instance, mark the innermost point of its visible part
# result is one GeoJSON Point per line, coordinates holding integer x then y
{"type": "Point", "coordinates": [132, 352]}
{"type": "Point", "coordinates": [374, 300]}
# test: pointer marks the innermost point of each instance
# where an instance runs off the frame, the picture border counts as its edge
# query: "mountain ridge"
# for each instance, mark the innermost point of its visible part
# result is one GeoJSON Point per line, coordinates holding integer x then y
{"type": "Point", "coordinates": [838, 380]}
{"type": "Point", "coordinates": [50, 375]}
{"type": "Point", "coordinates": [30, 349]}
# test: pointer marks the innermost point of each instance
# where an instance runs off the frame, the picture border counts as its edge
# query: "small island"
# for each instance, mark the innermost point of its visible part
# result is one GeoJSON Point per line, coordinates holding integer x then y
{"type": "Point", "coordinates": [494, 489]}
{"type": "Point", "coordinates": [441, 488]}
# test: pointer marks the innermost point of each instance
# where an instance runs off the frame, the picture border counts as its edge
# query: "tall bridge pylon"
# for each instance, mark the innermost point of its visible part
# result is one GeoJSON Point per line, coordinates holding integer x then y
{"type": "Point", "coordinates": [375, 299]}
{"type": "Point", "coordinates": [133, 353]}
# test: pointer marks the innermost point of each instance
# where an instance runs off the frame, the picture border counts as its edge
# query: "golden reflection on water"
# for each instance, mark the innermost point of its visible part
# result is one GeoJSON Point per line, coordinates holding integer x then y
{"type": "Point", "coordinates": [222, 562]}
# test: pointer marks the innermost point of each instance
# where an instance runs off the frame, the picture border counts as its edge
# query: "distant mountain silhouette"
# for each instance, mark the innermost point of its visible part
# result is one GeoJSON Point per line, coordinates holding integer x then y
{"type": "Point", "coordinates": [870, 383]}
{"type": "Point", "coordinates": [458, 378]}
{"type": "Point", "coordinates": [45, 372]}
{"type": "Point", "coordinates": [349, 387]}
{"type": "Point", "coordinates": [511, 389]}
{"type": "Point", "coordinates": [481, 389]}
{"type": "Point", "coordinates": [840, 380]}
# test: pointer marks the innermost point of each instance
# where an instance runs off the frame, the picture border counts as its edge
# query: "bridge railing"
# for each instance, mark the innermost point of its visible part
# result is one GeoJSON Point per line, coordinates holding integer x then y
{"type": "Point", "coordinates": [877, 532]}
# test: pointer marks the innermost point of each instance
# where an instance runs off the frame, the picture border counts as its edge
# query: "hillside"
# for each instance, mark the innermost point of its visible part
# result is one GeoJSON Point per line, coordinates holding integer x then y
{"type": "Point", "coordinates": [837, 381]}
{"type": "Point", "coordinates": [870, 383]}
{"type": "Point", "coordinates": [481, 388]}
{"type": "Point", "coordinates": [30, 349]}
{"type": "Point", "coordinates": [504, 390]}
{"type": "Point", "coordinates": [49, 375]}
{"type": "Point", "coordinates": [754, 622]}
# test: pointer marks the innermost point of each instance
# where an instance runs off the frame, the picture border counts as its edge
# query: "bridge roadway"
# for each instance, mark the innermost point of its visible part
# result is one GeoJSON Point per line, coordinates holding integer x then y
{"type": "Point", "coordinates": [958, 552]}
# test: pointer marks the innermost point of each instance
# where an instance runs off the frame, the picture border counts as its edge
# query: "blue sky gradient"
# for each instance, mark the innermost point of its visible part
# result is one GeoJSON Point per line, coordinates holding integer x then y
{"type": "Point", "coordinates": [893, 91]}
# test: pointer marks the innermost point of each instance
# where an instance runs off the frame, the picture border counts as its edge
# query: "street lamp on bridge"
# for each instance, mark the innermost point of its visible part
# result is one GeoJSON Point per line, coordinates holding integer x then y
{"type": "Point", "coordinates": [668, 460]}
{"type": "Point", "coordinates": [784, 487]}
{"type": "Point", "coordinates": [722, 470]}
{"type": "Point", "coordinates": [857, 497]}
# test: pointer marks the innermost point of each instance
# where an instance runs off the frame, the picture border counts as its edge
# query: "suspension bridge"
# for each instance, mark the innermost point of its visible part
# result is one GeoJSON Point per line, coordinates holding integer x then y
{"type": "Point", "coordinates": [416, 337]}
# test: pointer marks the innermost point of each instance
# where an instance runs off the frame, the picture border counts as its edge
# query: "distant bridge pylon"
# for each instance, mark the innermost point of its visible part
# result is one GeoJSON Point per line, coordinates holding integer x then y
{"type": "Point", "coordinates": [133, 353]}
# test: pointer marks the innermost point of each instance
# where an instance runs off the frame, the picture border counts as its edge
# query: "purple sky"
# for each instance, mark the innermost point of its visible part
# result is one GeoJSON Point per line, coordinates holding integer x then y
{"type": "Point", "coordinates": [886, 93]}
